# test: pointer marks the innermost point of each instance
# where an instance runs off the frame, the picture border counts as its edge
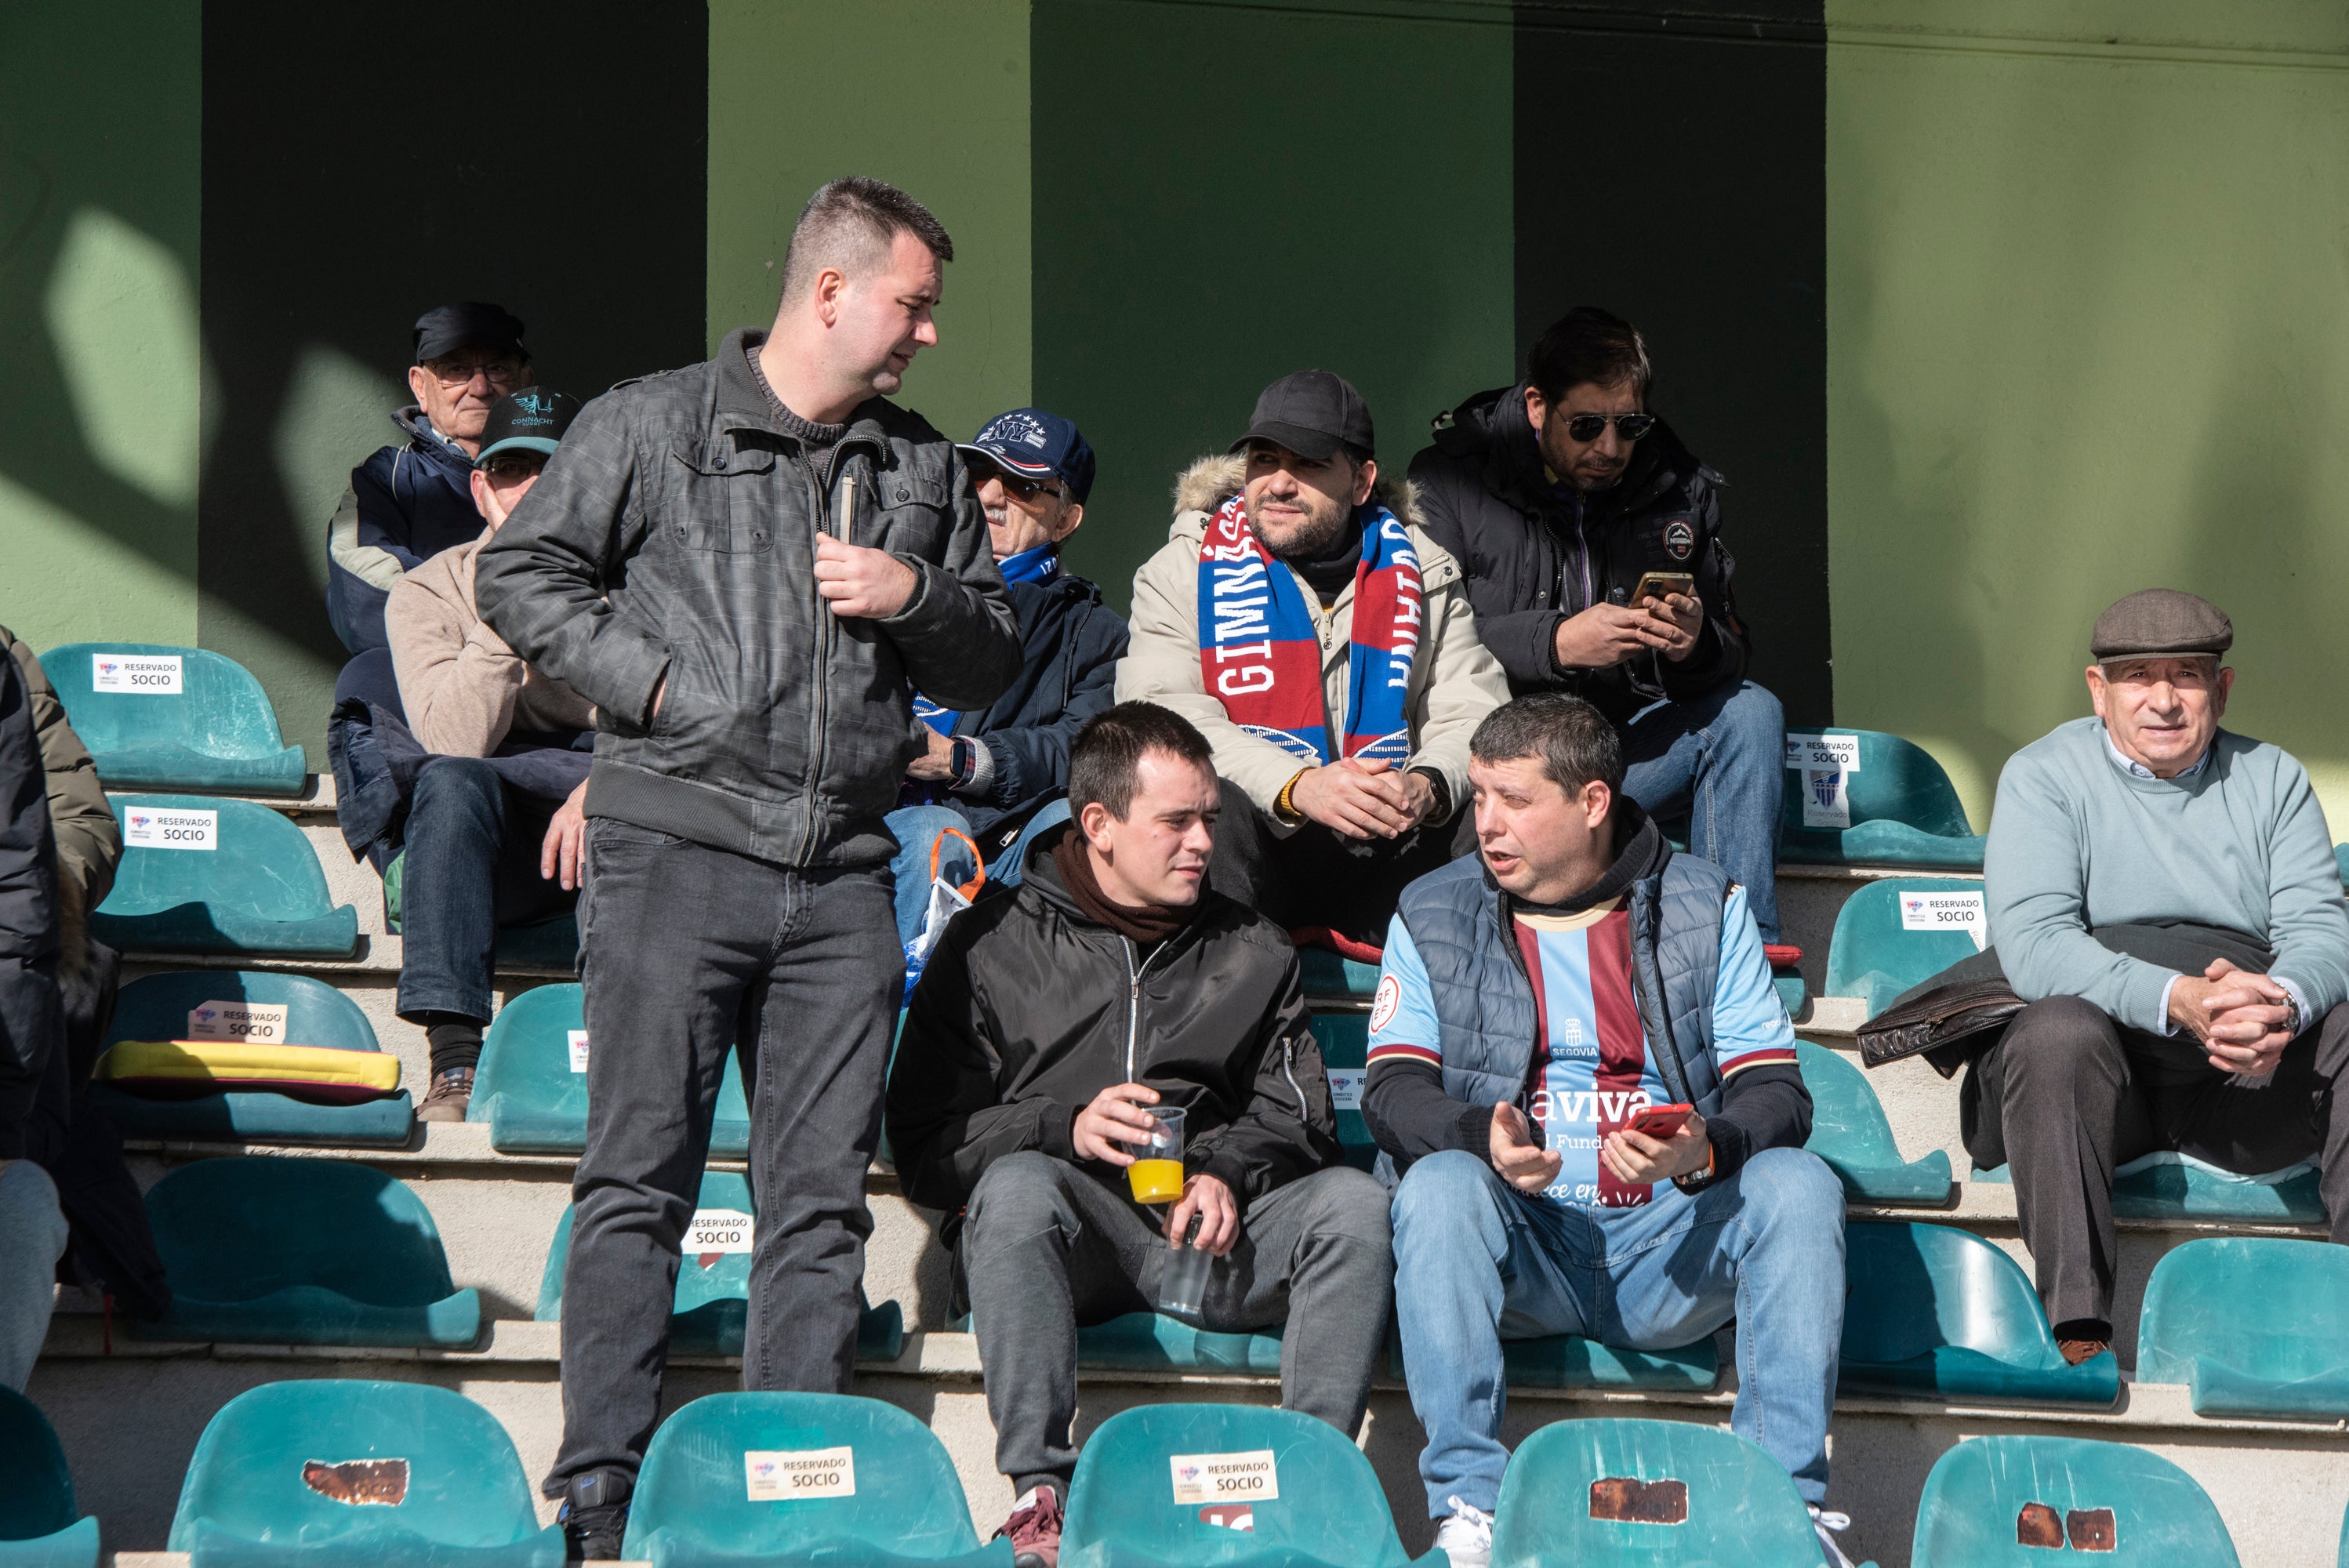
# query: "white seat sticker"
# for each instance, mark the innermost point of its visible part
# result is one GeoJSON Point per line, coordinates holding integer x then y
{"type": "Point", "coordinates": [262, 1022]}
{"type": "Point", "coordinates": [147, 674]}
{"type": "Point", "coordinates": [147, 828]}
{"type": "Point", "coordinates": [718, 1231]}
{"type": "Point", "coordinates": [1841, 751]}
{"type": "Point", "coordinates": [578, 1039]}
{"type": "Point", "coordinates": [774, 1475]}
{"type": "Point", "coordinates": [1251, 1477]}
{"type": "Point", "coordinates": [1946, 912]}
{"type": "Point", "coordinates": [1346, 1087]}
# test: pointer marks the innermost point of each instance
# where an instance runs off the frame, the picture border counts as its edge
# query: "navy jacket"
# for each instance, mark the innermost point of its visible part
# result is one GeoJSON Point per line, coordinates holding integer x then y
{"type": "Point", "coordinates": [405, 504]}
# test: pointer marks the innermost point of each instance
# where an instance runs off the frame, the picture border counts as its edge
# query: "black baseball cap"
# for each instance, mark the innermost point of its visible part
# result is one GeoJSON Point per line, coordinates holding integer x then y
{"type": "Point", "coordinates": [1312, 413]}
{"type": "Point", "coordinates": [529, 420]}
{"type": "Point", "coordinates": [1037, 444]}
{"type": "Point", "coordinates": [471, 324]}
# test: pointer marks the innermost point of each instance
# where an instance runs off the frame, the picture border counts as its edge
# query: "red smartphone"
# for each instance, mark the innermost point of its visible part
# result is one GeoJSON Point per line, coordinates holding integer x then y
{"type": "Point", "coordinates": [1660, 1120]}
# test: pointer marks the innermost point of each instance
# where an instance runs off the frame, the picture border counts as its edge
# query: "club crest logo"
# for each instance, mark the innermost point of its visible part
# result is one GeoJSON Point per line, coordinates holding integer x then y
{"type": "Point", "coordinates": [207, 1015]}
{"type": "Point", "coordinates": [1912, 907]}
{"type": "Point", "coordinates": [1383, 1008]}
{"type": "Point", "coordinates": [107, 667]}
{"type": "Point", "coordinates": [1680, 539]}
{"type": "Point", "coordinates": [1014, 430]}
{"type": "Point", "coordinates": [1825, 786]}
{"type": "Point", "coordinates": [140, 819]}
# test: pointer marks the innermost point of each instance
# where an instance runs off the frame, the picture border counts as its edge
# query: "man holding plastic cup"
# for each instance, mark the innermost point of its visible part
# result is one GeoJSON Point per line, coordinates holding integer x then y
{"type": "Point", "coordinates": [1117, 1035]}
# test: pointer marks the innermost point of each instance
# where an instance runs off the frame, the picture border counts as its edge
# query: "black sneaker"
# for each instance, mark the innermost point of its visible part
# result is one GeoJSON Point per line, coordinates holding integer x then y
{"type": "Point", "coordinates": [594, 1515]}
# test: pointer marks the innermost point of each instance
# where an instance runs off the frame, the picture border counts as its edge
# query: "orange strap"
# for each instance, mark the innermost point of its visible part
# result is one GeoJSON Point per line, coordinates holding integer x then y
{"type": "Point", "coordinates": [968, 890]}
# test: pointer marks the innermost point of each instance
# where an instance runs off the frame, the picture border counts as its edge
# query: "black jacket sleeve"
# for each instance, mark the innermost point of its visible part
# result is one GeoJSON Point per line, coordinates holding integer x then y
{"type": "Point", "coordinates": [1525, 640]}
{"type": "Point", "coordinates": [1761, 1108]}
{"type": "Point", "coordinates": [957, 635]}
{"type": "Point", "coordinates": [31, 1020]}
{"type": "Point", "coordinates": [1411, 1117]}
{"type": "Point", "coordinates": [1031, 761]}
{"type": "Point", "coordinates": [1290, 1128]}
{"type": "Point", "coordinates": [1722, 649]}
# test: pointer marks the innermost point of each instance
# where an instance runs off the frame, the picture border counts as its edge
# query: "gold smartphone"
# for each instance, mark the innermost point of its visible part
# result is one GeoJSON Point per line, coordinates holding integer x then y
{"type": "Point", "coordinates": [1659, 585]}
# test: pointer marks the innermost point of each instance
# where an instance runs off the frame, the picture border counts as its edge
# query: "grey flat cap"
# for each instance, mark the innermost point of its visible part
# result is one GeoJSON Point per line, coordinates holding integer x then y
{"type": "Point", "coordinates": [2158, 621]}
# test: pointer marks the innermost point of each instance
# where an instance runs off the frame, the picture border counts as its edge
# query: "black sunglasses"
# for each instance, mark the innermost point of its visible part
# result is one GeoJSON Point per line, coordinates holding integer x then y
{"type": "Point", "coordinates": [1631, 427]}
{"type": "Point", "coordinates": [1021, 485]}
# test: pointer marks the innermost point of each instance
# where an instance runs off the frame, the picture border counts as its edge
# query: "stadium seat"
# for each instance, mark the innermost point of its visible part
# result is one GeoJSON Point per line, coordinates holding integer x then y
{"type": "Point", "coordinates": [1638, 1492]}
{"type": "Point", "coordinates": [1571, 1361]}
{"type": "Point", "coordinates": [2170, 1186]}
{"type": "Point", "coordinates": [1938, 1312]}
{"type": "Point", "coordinates": [1328, 976]}
{"type": "Point", "coordinates": [1850, 1131]}
{"type": "Point", "coordinates": [2208, 1324]}
{"type": "Point", "coordinates": [332, 1471]}
{"type": "Point", "coordinates": [535, 1100]}
{"type": "Point", "coordinates": [195, 721]}
{"type": "Point", "coordinates": [1874, 957]}
{"type": "Point", "coordinates": [2011, 1501]}
{"type": "Point", "coordinates": [715, 1488]}
{"type": "Point", "coordinates": [279, 1251]}
{"type": "Point", "coordinates": [163, 1007]}
{"type": "Point", "coordinates": [37, 1524]}
{"type": "Point", "coordinates": [1154, 1342]}
{"type": "Point", "coordinates": [255, 886]}
{"type": "Point", "coordinates": [546, 944]}
{"type": "Point", "coordinates": [1904, 811]}
{"type": "Point", "coordinates": [1185, 1486]}
{"type": "Point", "coordinates": [1345, 1042]}
{"type": "Point", "coordinates": [713, 1288]}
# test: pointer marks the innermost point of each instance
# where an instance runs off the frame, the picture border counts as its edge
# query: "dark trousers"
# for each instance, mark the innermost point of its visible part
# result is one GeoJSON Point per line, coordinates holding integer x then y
{"type": "Point", "coordinates": [1045, 1247]}
{"type": "Point", "coordinates": [470, 865]}
{"type": "Point", "coordinates": [2066, 1096]}
{"type": "Point", "coordinates": [687, 950]}
{"type": "Point", "coordinates": [1315, 876]}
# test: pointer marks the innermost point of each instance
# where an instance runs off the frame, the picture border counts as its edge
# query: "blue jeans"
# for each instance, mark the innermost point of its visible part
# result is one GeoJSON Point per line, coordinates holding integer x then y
{"type": "Point", "coordinates": [33, 1236]}
{"type": "Point", "coordinates": [1477, 1261]}
{"type": "Point", "coordinates": [471, 865]}
{"type": "Point", "coordinates": [1721, 758]}
{"type": "Point", "coordinates": [916, 828]}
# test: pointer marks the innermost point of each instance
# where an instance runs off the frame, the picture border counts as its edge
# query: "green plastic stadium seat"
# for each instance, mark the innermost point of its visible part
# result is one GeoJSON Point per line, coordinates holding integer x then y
{"type": "Point", "coordinates": [158, 1008]}
{"type": "Point", "coordinates": [278, 1251]}
{"type": "Point", "coordinates": [1345, 1041]}
{"type": "Point", "coordinates": [1792, 991]}
{"type": "Point", "coordinates": [2208, 1324]}
{"type": "Point", "coordinates": [546, 944]}
{"type": "Point", "coordinates": [1940, 1313]}
{"type": "Point", "coordinates": [2167, 1186]}
{"type": "Point", "coordinates": [713, 1289]}
{"type": "Point", "coordinates": [333, 1472]}
{"type": "Point", "coordinates": [1872, 957]}
{"type": "Point", "coordinates": [217, 731]}
{"type": "Point", "coordinates": [1154, 1342]}
{"type": "Point", "coordinates": [2117, 1506]}
{"type": "Point", "coordinates": [1326, 975]}
{"type": "Point", "coordinates": [1904, 812]}
{"type": "Point", "coordinates": [1850, 1131]}
{"type": "Point", "coordinates": [1637, 1492]}
{"type": "Point", "coordinates": [1268, 1487]}
{"type": "Point", "coordinates": [894, 1502]}
{"type": "Point", "coordinates": [536, 1104]}
{"type": "Point", "coordinates": [258, 889]}
{"type": "Point", "coordinates": [1571, 1361]}
{"type": "Point", "coordinates": [37, 1524]}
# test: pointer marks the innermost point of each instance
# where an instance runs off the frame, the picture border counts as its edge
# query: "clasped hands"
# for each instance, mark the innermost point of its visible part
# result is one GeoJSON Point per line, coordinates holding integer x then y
{"type": "Point", "coordinates": [1606, 635]}
{"type": "Point", "coordinates": [2243, 1020]}
{"type": "Point", "coordinates": [1105, 1130]}
{"type": "Point", "coordinates": [1363, 798]}
{"type": "Point", "coordinates": [1635, 1158]}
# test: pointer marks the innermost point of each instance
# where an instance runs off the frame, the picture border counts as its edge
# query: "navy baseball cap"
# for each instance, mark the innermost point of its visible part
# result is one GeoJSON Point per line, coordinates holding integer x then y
{"type": "Point", "coordinates": [529, 420]}
{"type": "Point", "coordinates": [471, 324]}
{"type": "Point", "coordinates": [1036, 445]}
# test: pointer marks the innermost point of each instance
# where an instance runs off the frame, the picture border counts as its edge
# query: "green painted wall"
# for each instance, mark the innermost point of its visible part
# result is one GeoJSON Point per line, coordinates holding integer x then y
{"type": "Point", "coordinates": [2088, 332]}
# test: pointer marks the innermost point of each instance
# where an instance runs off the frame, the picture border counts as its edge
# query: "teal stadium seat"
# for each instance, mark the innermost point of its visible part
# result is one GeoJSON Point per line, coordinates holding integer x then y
{"type": "Point", "coordinates": [1345, 1042]}
{"type": "Point", "coordinates": [1904, 811]}
{"type": "Point", "coordinates": [1328, 976]}
{"type": "Point", "coordinates": [258, 888]}
{"type": "Point", "coordinates": [38, 1527]}
{"type": "Point", "coordinates": [1938, 1312]}
{"type": "Point", "coordinates": [2011, 1501]}
{"type": "Point", "coordinates": [1633, 1494]}
{"type": "Point", "coordinates": [1850, 1132]}
{"type": "Point", "coordinates": [332, 1471]}
{"type": "Point", "coordinates": [2210, 1323]}
{"type": "Point", "coordinates": [883, 1492]}
{"type": "Point", "coordinates": [713, 1288]}
{"type": "Point", "coordinates": [2169, 1186]}
{"type": "Point", "coordinates": [545, 945]}
{"type": "Point", "coordinates": [533, 1101]}
{"type": "Point", "coordinates": [216, 731]}
{"type": "Point", "coordinates": [158, 1008]}
{"type": "Point", "coordinates": [266, 1248]}
{"type": "Point", "coordinates": [1188, 1486]}
{"type": "Point", "coordinates": [1873, 957]}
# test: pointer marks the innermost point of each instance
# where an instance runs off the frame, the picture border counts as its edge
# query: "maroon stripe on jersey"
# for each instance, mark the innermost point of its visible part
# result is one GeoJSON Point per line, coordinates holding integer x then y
{"type": "Point", "coordinates": [1529, 947]}
{"type": "Point", "coordinates": [1622, 1044]}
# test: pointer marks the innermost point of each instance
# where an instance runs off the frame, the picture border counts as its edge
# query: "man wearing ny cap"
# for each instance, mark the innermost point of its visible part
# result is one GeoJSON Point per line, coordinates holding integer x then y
{"type": "Point", "coordinates": [1300, 618]}
{"type": "Point", "coordinates": [2163, 894]}
{"type": "Point", "coordinates": [413, 501]}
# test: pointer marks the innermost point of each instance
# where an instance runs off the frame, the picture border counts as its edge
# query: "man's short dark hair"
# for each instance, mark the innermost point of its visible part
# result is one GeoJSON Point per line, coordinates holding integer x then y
{"type": "Point", "coordinates": [1588, 345]}
{"type": "Point", "coordinates": [850, 223]}
{"type": "Point", "coordinates": [1109, 750]}
{"type": "Point", "coordinates": [1573, 739]}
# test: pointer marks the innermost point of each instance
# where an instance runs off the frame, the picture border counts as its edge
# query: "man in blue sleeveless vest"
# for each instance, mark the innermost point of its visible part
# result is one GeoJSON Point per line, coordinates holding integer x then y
{"type": "Point", "coordinates": [1534, 1000]}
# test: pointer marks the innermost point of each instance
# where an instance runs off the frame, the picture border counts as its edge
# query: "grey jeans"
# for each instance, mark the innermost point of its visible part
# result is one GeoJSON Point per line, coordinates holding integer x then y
{"type": "Point", "coordinates": [687, 950]}
{"type": "Point", "coordinates": [1046, 1248]}
{"type": "Point", "coordinates": [32, 1238]}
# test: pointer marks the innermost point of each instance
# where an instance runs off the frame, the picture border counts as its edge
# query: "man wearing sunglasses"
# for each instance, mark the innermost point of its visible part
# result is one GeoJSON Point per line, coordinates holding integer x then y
{"type": "Point", "coordinates": [413, 501]}
{"type": "Point", "coordinates": [1560, 497]}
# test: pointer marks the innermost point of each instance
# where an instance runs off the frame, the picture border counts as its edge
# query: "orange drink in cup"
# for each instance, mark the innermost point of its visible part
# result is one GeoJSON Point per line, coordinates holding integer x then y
{"type": "Point", "coordinates": [1156, 1173]}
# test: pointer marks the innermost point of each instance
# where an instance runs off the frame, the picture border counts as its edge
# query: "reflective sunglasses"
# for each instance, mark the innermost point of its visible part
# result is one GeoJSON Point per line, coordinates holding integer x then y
{"type": "Point", "coordinates": [1023, 486]}
{"type": "Point", "coordinates": [1631, 427]}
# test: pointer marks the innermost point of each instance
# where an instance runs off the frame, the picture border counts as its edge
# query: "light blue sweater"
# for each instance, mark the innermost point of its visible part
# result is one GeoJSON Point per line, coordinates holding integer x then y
{"type": "Point", "coordinates": [2076, 842]}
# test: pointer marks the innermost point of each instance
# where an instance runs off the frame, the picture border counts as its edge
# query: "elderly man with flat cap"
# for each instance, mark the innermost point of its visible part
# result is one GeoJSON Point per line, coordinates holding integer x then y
{"type": "Point", "coordinates": [2163, 895]}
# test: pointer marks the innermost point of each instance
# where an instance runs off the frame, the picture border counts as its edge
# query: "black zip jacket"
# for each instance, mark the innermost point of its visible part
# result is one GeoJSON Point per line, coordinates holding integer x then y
{"type": "Point", "coordinates": [1027, 1010]}
{"type": "Point", "coordinates": [31, 1021]}
{"type": "Point", "coordinates": [1535, 558]}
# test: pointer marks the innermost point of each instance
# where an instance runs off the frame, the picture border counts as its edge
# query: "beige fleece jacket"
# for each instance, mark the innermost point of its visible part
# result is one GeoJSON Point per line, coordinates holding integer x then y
{"type": "Point", "coordinates": [1454, 680]}
{"type": "Point", "coordinates": [463, 688]}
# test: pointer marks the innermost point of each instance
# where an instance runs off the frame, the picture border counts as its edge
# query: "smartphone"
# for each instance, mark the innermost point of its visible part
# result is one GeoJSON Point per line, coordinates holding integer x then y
{"type": "Point", "coordinates": [1660, 1120]}
{"type": "Point", "coordinates": [1657, 585]}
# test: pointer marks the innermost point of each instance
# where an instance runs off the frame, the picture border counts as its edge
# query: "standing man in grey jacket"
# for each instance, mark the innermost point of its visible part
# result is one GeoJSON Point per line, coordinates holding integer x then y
{"type": "Point", "coordinates": [746, 565]}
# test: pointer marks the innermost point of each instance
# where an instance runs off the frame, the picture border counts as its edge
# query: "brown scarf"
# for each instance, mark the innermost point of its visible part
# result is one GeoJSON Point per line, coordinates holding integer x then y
{"type": "Point", "coordinates": [1147, 926]}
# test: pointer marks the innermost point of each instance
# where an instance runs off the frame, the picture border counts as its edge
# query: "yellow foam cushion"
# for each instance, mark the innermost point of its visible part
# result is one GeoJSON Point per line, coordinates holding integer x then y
{"type": "Point", "coordinates": [183, 1068]}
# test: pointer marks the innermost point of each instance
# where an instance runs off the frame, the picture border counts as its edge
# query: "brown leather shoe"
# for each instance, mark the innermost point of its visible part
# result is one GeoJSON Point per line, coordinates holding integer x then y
{"type": "Point", "coordinates": [451, 1092]}
{"type": "Point", "coordinates": [2076, 1351]}
{"type": "Point", "coordinates": [1034, 1529]}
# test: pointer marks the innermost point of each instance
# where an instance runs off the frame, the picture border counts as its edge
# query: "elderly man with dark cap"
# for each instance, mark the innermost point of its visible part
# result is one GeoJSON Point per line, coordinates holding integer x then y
{"type": "Point", "coordinates": [2163, 894]}
{"type": "Point", "coordinates": [415, 500]}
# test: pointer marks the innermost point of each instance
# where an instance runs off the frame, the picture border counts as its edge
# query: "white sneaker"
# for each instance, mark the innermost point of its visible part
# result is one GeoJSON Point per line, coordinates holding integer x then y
{"type": "Point", "coordinates": [1828, 1525]}
{"type": "Point", "coordinates": [1466, 1537]}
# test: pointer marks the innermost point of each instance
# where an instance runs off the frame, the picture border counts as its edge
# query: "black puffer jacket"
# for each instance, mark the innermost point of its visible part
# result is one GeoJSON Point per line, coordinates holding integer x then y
{"type": "Point", "coordinates": [1027, 1010]}
{"type": "Point", "coordinates": [31, 1020]}
{"type": "Point", "coordinates": [1533, 558]}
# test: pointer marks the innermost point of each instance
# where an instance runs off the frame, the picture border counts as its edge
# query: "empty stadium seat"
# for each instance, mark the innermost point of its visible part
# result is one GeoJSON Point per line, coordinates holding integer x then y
{"type": "Point", "coordinates": [713, 1288]}
{"type": "Point", "coordinates": [1345, 1042]}
{"type": "Point", "coordinates": [201, 875]}
{"type": "Point", "coordinates": [279, 1251]}
{"type": "Point", "coordinates": [545, 945]}
{"type": "Point", "coordinates": [1571, 1361]}
{"type": "Point", "coordinates": [1940, 1313]}
{"type": "Point", "coordinates": [37, 1524]}
{"type": "Point", "coordinates": [1874, 956]}
{"type": "Point", "coordinates": [717, 1488]}
{"type": "Point", "coordinates": [2209, 1322]}
{"type": "Point", "coordinates": [535, 1100]}
{"type": "Point", "coordinates": [1183, 1486]}
{"type": "Point", "coordinates": [161, 717]}
{"type": "Point", "coordinates": [1850, 1131]}
{"type": "Point", "coordinates": [2010, 1502]}
{"type": "Point", "coordinates": [1605, 1493]}
{"type": "Point", "coordinates": [165, 1007]}
{"type": "Point", "coordinates": [1327, 975]}
{"type": "Point", "coordinates": [1903, 810]}
{"type": "Point", "coordinates": [2170, 1186]}
{"type": "Point", "coordinates": [332, 1471]}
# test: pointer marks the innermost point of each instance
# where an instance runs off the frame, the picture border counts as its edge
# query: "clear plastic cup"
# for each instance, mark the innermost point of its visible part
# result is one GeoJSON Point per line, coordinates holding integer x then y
{"type": "Point", "coordinates": [1156, 1173]}
{"type": "Point", "coordinates": [1183, 1279]}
